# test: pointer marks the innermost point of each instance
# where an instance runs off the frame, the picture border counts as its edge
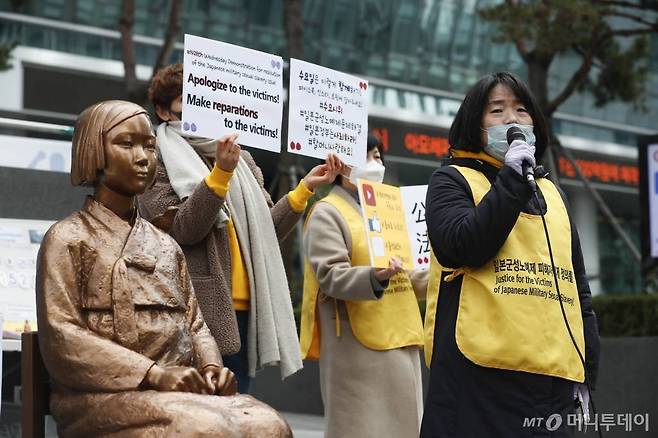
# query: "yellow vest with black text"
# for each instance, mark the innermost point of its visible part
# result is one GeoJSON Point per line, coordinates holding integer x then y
{"type": "Point", "coordinates": [385, 324]}
{"type": "Point", "coordinates": [509, 315]}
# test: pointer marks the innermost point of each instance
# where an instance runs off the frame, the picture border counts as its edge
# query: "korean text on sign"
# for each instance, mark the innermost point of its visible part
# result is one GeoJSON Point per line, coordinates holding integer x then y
{"type": "Point", "coordinates": [328, 113]}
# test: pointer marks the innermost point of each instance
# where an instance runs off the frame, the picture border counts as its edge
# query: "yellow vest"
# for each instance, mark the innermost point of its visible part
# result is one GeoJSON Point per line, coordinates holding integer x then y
{"type": "Point", "coordinates": [391, 322]}
{"type": "Point", "coordinates": [509, 315]}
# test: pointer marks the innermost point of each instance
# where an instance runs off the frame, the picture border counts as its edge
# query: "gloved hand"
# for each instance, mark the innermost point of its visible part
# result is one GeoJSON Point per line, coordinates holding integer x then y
{"type": "Point", "coordinates": [518, 152]}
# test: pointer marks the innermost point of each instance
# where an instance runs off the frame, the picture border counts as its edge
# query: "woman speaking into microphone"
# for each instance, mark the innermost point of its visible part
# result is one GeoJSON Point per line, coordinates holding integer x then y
{"type": "Point", "coordinates": [508, 323]}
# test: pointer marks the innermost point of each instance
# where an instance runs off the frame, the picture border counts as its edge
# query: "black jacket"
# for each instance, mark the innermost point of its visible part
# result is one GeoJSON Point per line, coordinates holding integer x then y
{"type": "Point", "coordinates": [464, 399]}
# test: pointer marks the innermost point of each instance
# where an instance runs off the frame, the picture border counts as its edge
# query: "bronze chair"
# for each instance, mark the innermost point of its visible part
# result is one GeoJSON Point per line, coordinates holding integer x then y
{"type": "Point", "coordinates": [35, 388]}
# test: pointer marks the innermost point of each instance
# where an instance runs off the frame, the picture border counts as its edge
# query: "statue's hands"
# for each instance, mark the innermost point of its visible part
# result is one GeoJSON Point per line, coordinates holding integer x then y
{"type": "Point", "coordinates": [220, 381]}
{"type": "Point", "coordinates": [183, 379]}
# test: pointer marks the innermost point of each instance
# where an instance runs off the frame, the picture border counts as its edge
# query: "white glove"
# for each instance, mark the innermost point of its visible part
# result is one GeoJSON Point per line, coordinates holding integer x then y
{"type": "Point", "coordinates": [581, 394]}
{"type": "Point", "coordinates": [518, 152]}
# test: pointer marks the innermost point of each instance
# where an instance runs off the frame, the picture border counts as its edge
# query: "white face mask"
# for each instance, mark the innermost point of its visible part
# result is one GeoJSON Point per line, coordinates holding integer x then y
{"type": "Point", "coordinates": [373, 171]}
{"type": "Point", "coordinates": [497, 145]}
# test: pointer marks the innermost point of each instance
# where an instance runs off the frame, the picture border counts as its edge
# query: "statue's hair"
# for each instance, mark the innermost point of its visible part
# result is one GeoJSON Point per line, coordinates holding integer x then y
{"type": "Point", "coordinates": [88, 151]}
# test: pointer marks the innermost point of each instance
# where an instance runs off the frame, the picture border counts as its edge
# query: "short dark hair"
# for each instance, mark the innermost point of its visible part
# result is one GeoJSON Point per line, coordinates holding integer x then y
{"type": "Point", "coordinates": [465, 130]}
{"type": "Point", "coordinates": [166, 86]}
{"type": "Point", "coordinates": [375, 142]}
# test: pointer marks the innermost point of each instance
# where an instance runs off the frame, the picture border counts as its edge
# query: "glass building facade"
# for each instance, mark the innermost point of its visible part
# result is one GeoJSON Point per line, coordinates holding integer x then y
{"type": "Point", "coordinates": [421, 55]}
{"type": "Point", "coordinates": [440, 44]}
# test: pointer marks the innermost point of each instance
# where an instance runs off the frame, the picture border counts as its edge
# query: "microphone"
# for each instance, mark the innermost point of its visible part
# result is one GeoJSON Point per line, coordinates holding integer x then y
{"type": "Point", "coordinates": [515, 133]}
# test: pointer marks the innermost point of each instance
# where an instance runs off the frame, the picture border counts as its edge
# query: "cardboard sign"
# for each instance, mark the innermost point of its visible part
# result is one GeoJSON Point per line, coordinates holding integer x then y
{"type": "Point", "coordinates": [385, 224]}
{"type": "Point", "coordinates": [228, 89]}
{"type": "Point", "coordinates": [328, 113]}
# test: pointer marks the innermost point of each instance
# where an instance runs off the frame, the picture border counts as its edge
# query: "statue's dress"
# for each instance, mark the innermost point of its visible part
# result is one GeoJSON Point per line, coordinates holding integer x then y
{"type": "Point", "coordinates": [112, 300]}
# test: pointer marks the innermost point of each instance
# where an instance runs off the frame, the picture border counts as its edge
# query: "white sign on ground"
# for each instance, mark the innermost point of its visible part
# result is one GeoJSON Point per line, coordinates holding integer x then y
{"type": "Point", "coordinates": [328, 113]}
{"type": "Point", "coordinates": [19, 244]}
{"type": "Point", "coordinates": [228, 89]}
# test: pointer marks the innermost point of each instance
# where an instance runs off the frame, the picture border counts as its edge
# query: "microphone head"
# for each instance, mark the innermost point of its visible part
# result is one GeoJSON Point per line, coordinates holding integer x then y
{"type": "Point", "coordinates": [514, 133]}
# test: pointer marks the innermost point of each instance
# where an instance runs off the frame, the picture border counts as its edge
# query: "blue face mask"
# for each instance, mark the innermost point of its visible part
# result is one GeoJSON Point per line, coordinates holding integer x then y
{"type": "Point", "coordinates": [497, 145]}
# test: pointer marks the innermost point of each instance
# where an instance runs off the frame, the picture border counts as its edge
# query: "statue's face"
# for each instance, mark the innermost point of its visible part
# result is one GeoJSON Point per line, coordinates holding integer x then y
{"type": "Point", "coordinates": [130, 158]}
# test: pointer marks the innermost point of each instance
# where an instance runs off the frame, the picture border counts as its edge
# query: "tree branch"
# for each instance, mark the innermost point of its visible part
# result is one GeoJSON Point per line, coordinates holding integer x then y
{"type": "Point", "coordinates": [126, 23]}
{"type": "Point", "coordinates": [629, 32]}
{"type": "Point", "coordinates": [578, 77]}
{"type": "Point", "coordinates": [635, 18]}
{"type": "Point", "coordinates": [293, 27]}
{"type": "Point", "coordinates": [173, 28]}
{"type": "Point", "coordinates": [623, 4]}
{"type": "Point", "coordinates": [518, 42]}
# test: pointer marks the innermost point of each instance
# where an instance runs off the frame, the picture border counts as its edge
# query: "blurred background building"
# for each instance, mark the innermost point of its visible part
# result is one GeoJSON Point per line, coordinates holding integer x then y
{"type": "Point", "coordinates": [419, 55]}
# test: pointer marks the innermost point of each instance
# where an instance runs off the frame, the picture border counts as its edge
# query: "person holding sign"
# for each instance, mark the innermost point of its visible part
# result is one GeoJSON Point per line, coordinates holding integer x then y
{"type": "Point", "coordinates": [501, 348]}
{"type": "Point", "coordinates": [362, 323]}
{"type": "Point", "coordinates": [125, 345]}
{"type": "Point", "coordinates": [209, 196]}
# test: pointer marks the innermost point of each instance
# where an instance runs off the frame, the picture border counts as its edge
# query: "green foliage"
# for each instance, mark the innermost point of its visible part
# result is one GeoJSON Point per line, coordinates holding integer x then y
{"type": "Point", "coordinates": [627, 314]}
{"type": "Point", "coordinates": [5, 56]}
{"type": "Point", "coordinates": [547, 27]}
{"type": "Point", "coordinates": [623, 73]}
{"type": "Point", "coordinates": [610, 36]}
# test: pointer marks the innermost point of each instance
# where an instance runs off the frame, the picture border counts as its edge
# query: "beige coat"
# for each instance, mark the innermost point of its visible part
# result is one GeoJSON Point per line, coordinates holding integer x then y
{"type": "Point", "coordinates": [366, 393]}
{"type": "Point", "coordinates": [112, 300]}
{"type": "Point", "coordinates": [191, 222]}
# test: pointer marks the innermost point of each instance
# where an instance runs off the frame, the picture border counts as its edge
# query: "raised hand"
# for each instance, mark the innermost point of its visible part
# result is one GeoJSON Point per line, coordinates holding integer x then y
{"type": "Point", "coordinates": [518, 152]}
{"type": "Point", "coordinates": [227, 153]}
{"type": "Point", "coordinates": [324, 173]}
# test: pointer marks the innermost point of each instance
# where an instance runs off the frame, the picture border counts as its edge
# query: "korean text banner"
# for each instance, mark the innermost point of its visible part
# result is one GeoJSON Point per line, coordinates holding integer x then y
{"type": "Point", "coordinates": [413, 203]}
{"type": "Point", "coordinates": [229, 89]}
{"type": "Point", "coordinates": [328, 113]}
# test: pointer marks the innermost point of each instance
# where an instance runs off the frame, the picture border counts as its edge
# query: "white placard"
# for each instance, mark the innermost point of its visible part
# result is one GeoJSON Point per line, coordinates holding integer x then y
{"type": "Point", "coordinates": [328, 113]}
{"type": "Point", "coordinates": [413, 200]}
{"type": "Point", "coordinates": [19, 244]}
{"type": "Point", "coordinates": [652, 180]}
{"type": "Point", "coordinates": [228, 89]}
{"type": "Point", "coordinates": [35, 153]}
{"type": "Point", "coordinates": [1, 359]}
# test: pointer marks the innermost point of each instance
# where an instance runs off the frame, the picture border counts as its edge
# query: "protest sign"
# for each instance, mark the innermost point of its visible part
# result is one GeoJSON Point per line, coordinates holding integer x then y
{"type": "Point", "coordinates": [228, 89]}
{"type": "Point", "coordinates": [328, 113]}
{"type": "Point", "coordinates": [19, 245]}
{"type": "Point", "coordinates": [413, 201]}
{"type": "Point", "coordinates": [394, 219]}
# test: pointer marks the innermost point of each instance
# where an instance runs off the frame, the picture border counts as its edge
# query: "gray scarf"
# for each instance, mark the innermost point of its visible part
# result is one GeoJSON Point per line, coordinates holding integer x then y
{"type": "Point", "coordinates": [180, 156]}
{"type": "Point", "coordinates": [272, 334]}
